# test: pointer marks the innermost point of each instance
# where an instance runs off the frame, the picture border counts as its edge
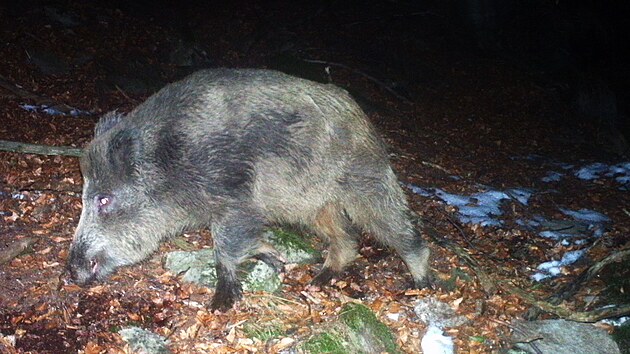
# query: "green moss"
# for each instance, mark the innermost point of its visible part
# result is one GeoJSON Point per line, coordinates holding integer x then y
{"type": "Point", "coordinates": [325, 343]}
{"type": "Point", "coordinates": [115, 328]}
{"type": "Point", "coordinates": [291, 239]}
{"type": "Point", "coordinates": [262, 332]}
{"type": "Point", "coordinates": [361, 320]}
{"type": "Point", "coordinates": [357, 316]}
{"type": "Point", "coordinates": [182, 243]}
{"type": "Point", "coordinates": [478, 339]}
{"type": "Point", "coordinates": [295, 247]}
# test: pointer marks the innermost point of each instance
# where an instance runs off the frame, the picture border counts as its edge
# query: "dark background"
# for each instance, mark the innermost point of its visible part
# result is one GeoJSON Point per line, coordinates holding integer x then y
{"type": "Point", "coordinates": [577, 51]}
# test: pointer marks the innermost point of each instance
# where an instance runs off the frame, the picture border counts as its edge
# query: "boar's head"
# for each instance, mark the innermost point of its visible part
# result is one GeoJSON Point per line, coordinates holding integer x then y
{"type": "Point", "coordinates": [117, 221]}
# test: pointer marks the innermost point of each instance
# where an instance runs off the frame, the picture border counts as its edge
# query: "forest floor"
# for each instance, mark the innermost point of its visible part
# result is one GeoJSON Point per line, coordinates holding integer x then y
{"type": "Point", "coordinates": [463, 124]}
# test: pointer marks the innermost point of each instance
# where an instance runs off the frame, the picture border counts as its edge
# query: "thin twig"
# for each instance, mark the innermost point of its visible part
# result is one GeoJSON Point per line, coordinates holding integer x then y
{"type": "Point", "coordinates": [369, 77]}
{"type": "Point", "coordinates": [487, 283]}
{"type": "Point", "coordinates": [436, 166]}
{"type": "Point", "coordinates": [125, 95]}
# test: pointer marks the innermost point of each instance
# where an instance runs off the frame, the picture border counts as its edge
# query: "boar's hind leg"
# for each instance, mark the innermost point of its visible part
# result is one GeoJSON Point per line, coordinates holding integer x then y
{"type": "Point", "coordinates": [387, 218]}
{"type": "Point", "coordinates": [414, 251]}
{"type": "Point", "coordinates": [396, 231]}
{"type": "Point", "coordinates": [333, 223]}
{"type": "Point", "coordinates": [236, 237]}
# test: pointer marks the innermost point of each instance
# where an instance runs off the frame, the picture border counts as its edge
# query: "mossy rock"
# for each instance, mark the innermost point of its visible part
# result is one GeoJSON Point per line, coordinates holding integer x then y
{"type": "Point", "coordinates": [142, 341]}
{"type": "Point", "coordinates": [366, 331]}
{"type": "Point", "coordinates": [358, 331]}
{"type": "Point", "coordinates": [296, 248]}
{"type": "Point", "coordinates": [329, 343]}
{"type": "Point", "coordinates": [199, 267]}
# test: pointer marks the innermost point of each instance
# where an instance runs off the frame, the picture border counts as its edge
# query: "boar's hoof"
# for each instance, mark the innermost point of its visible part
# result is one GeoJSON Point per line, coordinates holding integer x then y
{"type": "Point", "coordinates": [425, 283]}
{"type": "Point", "coordinates": [324, 277]}
{"type": "Point", "coordinates": [225, 297]}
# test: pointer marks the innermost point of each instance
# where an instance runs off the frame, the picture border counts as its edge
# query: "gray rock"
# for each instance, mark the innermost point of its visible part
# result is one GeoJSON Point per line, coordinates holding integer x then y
{"type": "Point", "coordinates": [142, 341]}
{"type": "Point", "coordinates": [561, 337]}
{"type": "Point", "coordinates": [198, 267]}
{"type": "Point", "coordinates": [357, 331]}
{"type": "Point", "coordinates": [436, 313]}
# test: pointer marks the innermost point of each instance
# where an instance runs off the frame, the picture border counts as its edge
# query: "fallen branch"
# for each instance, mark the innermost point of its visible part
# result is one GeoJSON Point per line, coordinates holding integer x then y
{"type": "Point", "coordinates": [571, 288]}
{"type": "Point", "coordinates": [487, 283]}
{"type": "Point", "coordinates": [567, 314]}
{"type": "Point", "coordinates": [25, 148]}
{"type": "Point", "coordinates": [490, 285]}
{"type": "Point", "coordinates": [22, 93]}
{"type": "Point", "coordinates": [369, 77]}
{"type": "Point", "coordinates": [15, 248]}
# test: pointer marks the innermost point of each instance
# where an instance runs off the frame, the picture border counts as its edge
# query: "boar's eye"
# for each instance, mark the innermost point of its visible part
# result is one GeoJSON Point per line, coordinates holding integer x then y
{"type": "Point", "coordinates": [103, 201]}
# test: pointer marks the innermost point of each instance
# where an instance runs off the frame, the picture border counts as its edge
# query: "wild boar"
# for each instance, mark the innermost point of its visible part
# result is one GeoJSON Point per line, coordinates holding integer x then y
{"type": "Point", "coordinates": [235, 151]}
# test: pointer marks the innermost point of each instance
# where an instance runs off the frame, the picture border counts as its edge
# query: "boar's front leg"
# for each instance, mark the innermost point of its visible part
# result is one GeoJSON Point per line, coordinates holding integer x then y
{"type": "Point", "coordinates": [236, 235]}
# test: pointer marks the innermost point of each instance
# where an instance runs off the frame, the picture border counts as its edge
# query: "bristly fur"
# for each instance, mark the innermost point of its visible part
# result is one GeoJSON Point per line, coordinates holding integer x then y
{"type": "Point", "coordinates": [233, 151]}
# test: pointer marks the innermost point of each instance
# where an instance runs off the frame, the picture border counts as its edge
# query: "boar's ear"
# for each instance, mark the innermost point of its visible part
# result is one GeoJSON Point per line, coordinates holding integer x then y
{"type": "Point", "coordinates": [107, 122]}
{"type": "Point", "coordinates": [124, 151]}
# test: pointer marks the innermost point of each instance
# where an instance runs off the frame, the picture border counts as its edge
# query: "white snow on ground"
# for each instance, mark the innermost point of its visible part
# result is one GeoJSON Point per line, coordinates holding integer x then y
{"type": "Point", "coordinates": [435, 342]}
{"type": "Point", "coordinates": [617, 322]}
{"type": "Point", "coordinates": [594, 221]}
{"type": "Point", "coordinates": [52, 111]}
{"type": "Point", "coordinates": [592, 171]}
{"type": "Point", "coordinates": [522, 195]}
{"type": "Point", "coordinates": [586, 215]}
{"type": "Point", "coordinates": [553, 268]}
{"type": "Point", "coordinates": [484, 209]}
{"type": "Point", "coordinates": [620, 172]}
{"type": "Point", "coordinates": [596, 226]}
{"type": "Point", "coordinates": [552, 176]}
{"type": "Point", "coordinates": [480, 208]}
{"type": "Point", "coordinates": [424, 192]}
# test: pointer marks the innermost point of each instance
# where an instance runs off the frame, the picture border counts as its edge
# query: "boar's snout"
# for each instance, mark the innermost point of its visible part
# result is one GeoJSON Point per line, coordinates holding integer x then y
{"type": "Point", "coordinates": [85, 269]}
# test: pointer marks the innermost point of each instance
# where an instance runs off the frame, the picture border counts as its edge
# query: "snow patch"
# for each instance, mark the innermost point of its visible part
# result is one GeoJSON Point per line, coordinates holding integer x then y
{"type": "Point", "coordinates": [435, 342]}
{"type": "Point", "coordinates": [552, 176]}
{"type": "Point", "coordinates": [620, 172]}
{"type": "Point", "coordinates": [591, 216]}
{"type": "Point", "coordinates": [617, 322]}
{"type": "Point", "coordinates": [553, 268]}
{"type": "Point", "coordinates": [480, 208]}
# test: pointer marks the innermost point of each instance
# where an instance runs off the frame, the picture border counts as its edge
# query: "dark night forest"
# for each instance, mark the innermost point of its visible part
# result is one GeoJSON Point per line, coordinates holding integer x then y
{"type": "Point", "coordinates": [506, 123]}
